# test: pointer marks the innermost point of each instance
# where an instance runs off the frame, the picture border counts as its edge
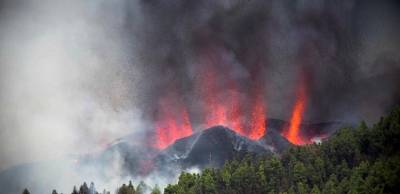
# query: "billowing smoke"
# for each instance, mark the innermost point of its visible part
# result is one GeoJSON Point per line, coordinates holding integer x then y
{"type": "Point", "coordinates": [68, 83]}
{"type": "Point", "coordinates": [76, 75]}
{"type": "Point", "coordinates": [345, 52]}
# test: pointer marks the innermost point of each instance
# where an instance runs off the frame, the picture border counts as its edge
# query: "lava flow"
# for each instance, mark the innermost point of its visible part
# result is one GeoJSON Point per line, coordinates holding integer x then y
{"type": "Point", "coordinates": [293, 132]}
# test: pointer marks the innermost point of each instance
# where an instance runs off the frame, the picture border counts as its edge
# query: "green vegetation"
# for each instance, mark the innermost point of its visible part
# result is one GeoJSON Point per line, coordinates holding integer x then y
{"type": "Point", "coordinates": [353, 160]}
{"type": "Point", "coordinates": [361, 160]}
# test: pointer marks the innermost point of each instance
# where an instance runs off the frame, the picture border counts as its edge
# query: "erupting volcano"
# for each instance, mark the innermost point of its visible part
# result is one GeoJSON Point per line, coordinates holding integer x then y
{"type": "Point", "coordinates": [173, 121]}
{"type": "Point", "coordinates": [218, 94]}
{"type": "Point", "coordinates": [226, 107]}
{"type": "Point", "coordinates": [258, 118]}
{"type": "Point", "coordinates": [220, 100]}
{"type": "Point", "coordinates": [293, 132]}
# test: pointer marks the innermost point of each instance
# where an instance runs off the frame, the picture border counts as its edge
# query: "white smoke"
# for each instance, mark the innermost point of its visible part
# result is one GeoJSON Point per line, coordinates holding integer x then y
{"type": "Point", "coordinates": [68, 81]}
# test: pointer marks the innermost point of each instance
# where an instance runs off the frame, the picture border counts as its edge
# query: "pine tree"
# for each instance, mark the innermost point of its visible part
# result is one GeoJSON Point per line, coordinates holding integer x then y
{"type": "Point", "coordinates": [207, 182]}
{"type": "Point", "coordinates": [74, 191]}
{"type": "Point", "coordinates": [131, 188]}
{"type": "Point", "coordinates": [315, 190]}
{"type": "Point", "coordinates": [84, 189]}
{"type": "Point", "coordinates": [92, 190]}
{"type": "Point", "coordinates": [302, 188]}
{"type": "Point", "coordinates": [156, 190]}
{"type": "Point", "coordinates": [25, 191]}
{"type": "Point", "coordinates": [299, 172]}
{"type": "Point", "coordinates": [331, 185]}
{"type": "Point", "coordinates": [141, 188]}
{"type": "Point", "coordinates": [123, 189]}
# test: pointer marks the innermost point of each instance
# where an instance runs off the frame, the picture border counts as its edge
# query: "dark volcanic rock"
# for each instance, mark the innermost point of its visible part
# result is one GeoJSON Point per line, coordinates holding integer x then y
{"type": "Point", "coordinates": [274, 141]}
{"type": "Point", "coordinates": [210, 147]}
{"type": "Point", "coordinates": [277, 143]}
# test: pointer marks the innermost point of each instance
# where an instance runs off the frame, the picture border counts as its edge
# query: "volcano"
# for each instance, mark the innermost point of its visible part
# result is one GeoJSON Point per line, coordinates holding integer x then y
{"type": "Point", "coordinates": [276, 140]}
{"type": "Point", "coordinates": [210, 147]}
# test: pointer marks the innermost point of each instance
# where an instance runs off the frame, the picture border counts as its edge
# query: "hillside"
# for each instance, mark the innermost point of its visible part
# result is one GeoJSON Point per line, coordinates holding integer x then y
{"type": "Point", "coordinates": [354, 160]}
{"type": "Point", "coordinates": [210, 147]}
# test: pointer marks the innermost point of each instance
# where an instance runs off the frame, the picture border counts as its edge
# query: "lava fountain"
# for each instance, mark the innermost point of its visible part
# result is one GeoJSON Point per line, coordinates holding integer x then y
{"type": "Point", "coordinates": [221, 98]}
{"type": "Point", "coordinates": [293, 132]}
{"type": "Point", "coordinates": [258, 117]}
{"type": "Point", "coordinates": [172, 121]}
{"type": "Point", "coordinates": [221, 101]}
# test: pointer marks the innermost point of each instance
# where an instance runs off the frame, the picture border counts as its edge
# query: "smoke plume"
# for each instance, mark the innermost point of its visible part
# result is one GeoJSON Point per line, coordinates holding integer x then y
{"type": "Point", "coordinates": [76, 75]}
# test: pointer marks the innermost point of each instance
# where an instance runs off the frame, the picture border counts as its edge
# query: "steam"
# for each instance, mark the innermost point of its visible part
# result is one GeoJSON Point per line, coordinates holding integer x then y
{"type": "Point", "coordinates": [69, 87]}
{"type": "Point", "coordinates": [77, 75]}
{"type": "Point", "coordinates": [68, 83]}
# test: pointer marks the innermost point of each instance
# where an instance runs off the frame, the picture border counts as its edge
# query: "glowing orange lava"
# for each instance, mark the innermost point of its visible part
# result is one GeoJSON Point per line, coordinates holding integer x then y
{"type": "Point", "coordinates": [221, 101]}
{"type": "Point", "coordinates": [293, 132]}
{"type": "Point", "coordinates": [258, 124]}
{"type": "Point", "coordinates": [235, 111]}
{"type": "Point", "coordinates": [173, 122]}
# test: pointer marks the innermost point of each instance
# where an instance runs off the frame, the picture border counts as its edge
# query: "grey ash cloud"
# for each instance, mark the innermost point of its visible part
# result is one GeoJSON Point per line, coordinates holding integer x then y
{"type": "Point", "coordinates": [78, 74]}
{"type": "Point", "coordinates": [348, 50]}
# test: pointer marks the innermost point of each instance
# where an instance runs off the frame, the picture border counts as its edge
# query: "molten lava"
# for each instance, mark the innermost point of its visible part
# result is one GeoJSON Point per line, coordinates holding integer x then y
{"type": "Point", "coordinates": [215, 112]}
{"type": "Point", "coordinates": [173, 122]}
{"type": "Point", "coordinates": [235, 112]}
{"type": "Point", "coordinates": [220, 102]}
{"type": "Point", "coordinates": [258, 124]}
{"type": "Point", "coordinates": [293, 132]}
